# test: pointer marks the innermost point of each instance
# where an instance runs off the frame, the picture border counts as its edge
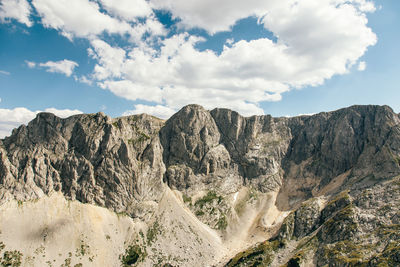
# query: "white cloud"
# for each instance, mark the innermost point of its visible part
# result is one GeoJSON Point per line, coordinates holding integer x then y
{"type": "Point", "coordinates": [315, 40]}
{"type": "Point", "coordinates": [212, 16]}
{"type": "Point", "coordinates": [83, 79]}
{"type": "Point", "coordinates": [314, 43]}
{"type": "Point", "coordinates": [83, 18]}
{"type": "Point", "coordinates": [133, 91]}
{"type": "Point", "coordinates": [362, 66]}
{"type": "Point", "coordinates": [158, 111]}
{"type": "Point", "coordinates": [12, 118]}
{"type": "Point", "coordinates": [80, 18]}
{"type": "Point", "coordinates": [230, 41]}
{"type": "Point", "coordinates": [127, 9]}
{"type": "Point", "coordinates": [65, 66]}
{"type": "Point", "coordinates": [110, 60]}
{"type": "Point", "coordinates": [15, 9]}
{"type": "Point", "coordinates": [62, 113]}
{"type": "Point", "coordinates": [365, 5]}
{"type": "Point", "coordinates": [222, 16]}
{"type": "Point", "coordinates": [4, 72]}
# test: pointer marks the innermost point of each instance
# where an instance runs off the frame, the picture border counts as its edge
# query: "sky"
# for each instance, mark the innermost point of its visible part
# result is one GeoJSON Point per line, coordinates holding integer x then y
{"type": "Point", "coordinates": [278, 57]}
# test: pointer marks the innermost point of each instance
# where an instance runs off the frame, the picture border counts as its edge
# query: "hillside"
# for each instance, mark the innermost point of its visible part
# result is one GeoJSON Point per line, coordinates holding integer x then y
{"type": "Point", "coordinates": [204, 188]}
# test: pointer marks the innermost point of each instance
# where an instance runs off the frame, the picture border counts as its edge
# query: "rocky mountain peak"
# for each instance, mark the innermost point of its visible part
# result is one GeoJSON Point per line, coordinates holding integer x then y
{"type": "Point", "coordinates": [243, 179]}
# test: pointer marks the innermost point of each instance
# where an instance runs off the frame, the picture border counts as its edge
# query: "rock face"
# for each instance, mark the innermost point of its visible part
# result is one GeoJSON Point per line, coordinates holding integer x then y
{"type": "Point", "coordinates": [311, 189]}
{"type": "Point", "coordinates": [89, 158]}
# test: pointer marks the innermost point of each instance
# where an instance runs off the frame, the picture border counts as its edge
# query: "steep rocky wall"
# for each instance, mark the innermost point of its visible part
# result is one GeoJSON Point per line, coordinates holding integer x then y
{"type": "Point", "coordinates": [114, 162]}
{"type": "Point", "coordinates": [91, 158]}
{"type": "Point", "coordinates": [234, 178]}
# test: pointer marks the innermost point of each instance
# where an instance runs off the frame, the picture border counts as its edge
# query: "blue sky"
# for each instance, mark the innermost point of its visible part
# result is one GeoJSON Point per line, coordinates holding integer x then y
{"type": "Point", "coordinates": [279, 57]}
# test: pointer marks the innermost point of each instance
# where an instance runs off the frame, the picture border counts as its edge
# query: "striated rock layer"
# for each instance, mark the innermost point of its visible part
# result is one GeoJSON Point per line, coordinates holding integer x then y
{"type": "Point", "coordinates": [204, 188]}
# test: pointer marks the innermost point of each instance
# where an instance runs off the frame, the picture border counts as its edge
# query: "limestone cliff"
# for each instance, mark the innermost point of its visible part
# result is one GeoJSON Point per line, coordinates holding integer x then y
{"type": "Point", "coordinates": [203, 188]}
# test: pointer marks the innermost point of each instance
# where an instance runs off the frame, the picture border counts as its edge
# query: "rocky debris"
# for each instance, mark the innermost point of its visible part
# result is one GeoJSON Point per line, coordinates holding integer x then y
{"type": "Point", "coordinates": [333, 173]}
{"type": "Point", "coordinates": [347, 231]}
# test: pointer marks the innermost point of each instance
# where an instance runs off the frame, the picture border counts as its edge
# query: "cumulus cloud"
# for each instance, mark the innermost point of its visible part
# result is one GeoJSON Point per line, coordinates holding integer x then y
{"type": "Point", "coordinates": [12, 118]}
{"type": "Point", "coordinates": [80, 18]}
{"type": "Point", "coordinates": [208, 15]}
{"type": "Point", "coordinates": [362, 66]}
{"type": "Point", "coordinates": [314, 41]}
{"type": "Point", "coordinates": [128, 9]}
{"type": "Point", "coordinates": [158, 111]}
{"type": "Point", "coordinates": [83, 18]}
{"type": "Point", "coordinates": [65, 66]}
{"type": "Point", "coordinates": [15, 9]}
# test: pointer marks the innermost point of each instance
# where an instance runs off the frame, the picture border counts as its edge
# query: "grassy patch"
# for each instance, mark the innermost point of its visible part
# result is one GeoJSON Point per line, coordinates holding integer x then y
{"type": "Point", "coordinates": [82, 250]}
{"type": "Point", "coordinates": [199, 213]}
{"type": "Point", "coordinates": [10, 258]}
{"type": "Point", "coordinates": [133, 254]}
{"type": "Point", "coordinates": [347, 252]}
{"type": "Point", "coordinates": [152, 233]}
{"type": "Point", "coordinates": [142, 137]}
{"type": "Point", "coordinates": [260, 255]}
{"type": "Point", "coordinates": [222, 222]}
{"type": "Point", "coordinates": [186, 199]}
{"type": "Point", "coordinates": [116, 124]}
{"type": "Point", "coordinates": [210, 197]}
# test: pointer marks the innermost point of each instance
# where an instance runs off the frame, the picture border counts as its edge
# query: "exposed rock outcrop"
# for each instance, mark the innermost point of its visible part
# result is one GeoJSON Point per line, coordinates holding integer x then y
{"type": "Point", "coordinates": [308, 187]}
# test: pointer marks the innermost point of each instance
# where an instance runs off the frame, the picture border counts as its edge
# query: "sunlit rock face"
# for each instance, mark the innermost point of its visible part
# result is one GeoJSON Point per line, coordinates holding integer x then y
{"type": "Point", "coordinates": [202, 188]}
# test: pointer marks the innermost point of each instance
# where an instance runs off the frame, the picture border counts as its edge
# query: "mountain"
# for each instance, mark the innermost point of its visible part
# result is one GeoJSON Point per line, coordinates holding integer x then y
{"type": "Point", "coordinates": [204, 188]}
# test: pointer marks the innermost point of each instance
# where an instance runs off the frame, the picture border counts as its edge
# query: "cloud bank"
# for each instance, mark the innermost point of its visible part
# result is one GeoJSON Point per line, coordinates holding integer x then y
{"type": "Point", "coordinates": [159, 64]}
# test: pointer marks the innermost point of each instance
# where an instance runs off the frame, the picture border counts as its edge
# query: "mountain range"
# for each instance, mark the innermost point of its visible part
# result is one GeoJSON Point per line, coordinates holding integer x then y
{"type": "Point", "coordinates": [203, 188]}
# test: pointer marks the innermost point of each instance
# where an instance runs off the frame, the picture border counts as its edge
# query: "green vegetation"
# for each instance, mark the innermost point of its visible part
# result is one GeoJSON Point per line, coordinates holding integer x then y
{"type": "Point", "coordinates": [287, 228]}
{"type": "Point", "coordinates": [133, 254]}
{"type": "Point", "coordinates": [210, 197]}
{"type": "Point", "coordinates": [342, 195]}
{"type": "Point", "coordinates": [186, 199]}
{"type": "Point", "coordinates": [152, 233]}
{"type": "Point", "coordinates": [341, 226]}
{"type": "Point", "coordinates": [260, 255]}
{"type": "Point", "coordinates": [82, 250]}
{"type": "Point", "coordinates": [67, 262]}
{"type": "Point", "coordinates": [346, 252]}
{"type": "Point", "coordinates": [142, 137]}
{"type": "Point", "coordinates": [222, 222]}
{"type": "Point", "coordinates": [122, 214]}
{"type": "Point", "coordinates": [10, 258]}
{"type": "Point", "coordinates": [306, 245]}
{"type": "Point", "coordinates": [199, 213]}
{"type": "Point", "coordinates": [211, 209]}
{"type": "Point", "coordinates": [116, 124]}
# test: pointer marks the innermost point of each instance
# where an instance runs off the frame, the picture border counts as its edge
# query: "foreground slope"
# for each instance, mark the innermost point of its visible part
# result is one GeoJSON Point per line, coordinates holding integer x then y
{"type": "Point", "coordinates": [203, 188]}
